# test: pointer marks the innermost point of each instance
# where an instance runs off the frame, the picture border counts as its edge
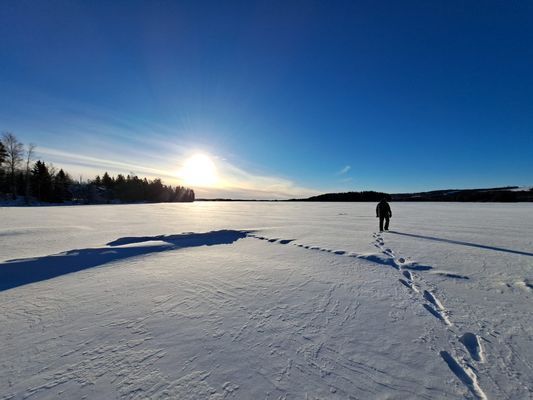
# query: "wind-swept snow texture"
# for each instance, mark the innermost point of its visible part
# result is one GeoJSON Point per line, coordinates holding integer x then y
{"type": "Point", "coordinates": [266, 301]}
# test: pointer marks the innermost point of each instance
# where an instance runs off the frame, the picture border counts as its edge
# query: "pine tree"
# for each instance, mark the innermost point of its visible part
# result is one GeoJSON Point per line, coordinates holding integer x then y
{"type": "Point", "coordinates": [41, 182]}
{"type": "Point", "coordinates": [61, 191]}
{"type": "Point", "coordinates": [107, 181]}
{"type": "Point", "coordinates": [120, 179]}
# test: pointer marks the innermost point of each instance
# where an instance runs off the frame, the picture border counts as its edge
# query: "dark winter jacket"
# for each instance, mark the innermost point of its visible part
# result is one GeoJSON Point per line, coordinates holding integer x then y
{"type": "Point", "coordinates": [383, 210]}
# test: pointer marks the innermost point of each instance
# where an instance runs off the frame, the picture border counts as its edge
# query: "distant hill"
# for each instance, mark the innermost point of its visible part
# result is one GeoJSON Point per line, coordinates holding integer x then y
{"type": "Point", "coordinates": [501, 195]}
{"type": "Point", "coordinates": [349, 196]}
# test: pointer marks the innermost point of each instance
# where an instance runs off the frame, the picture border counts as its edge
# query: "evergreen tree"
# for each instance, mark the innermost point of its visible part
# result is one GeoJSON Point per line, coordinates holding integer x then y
{"type": "Point", "coordinates": [42, 187]}
{"type": "Point", "coordinates": [61, 184]}
{"type": "Point", "coordinates": [107, 181]}
{"type": "Point", "coordinates": [119, 188]}
{"type": "Point", "coordinates": [120, 180]}
{"type": "Point", "coordinates": [155, 191]}
{"type": "Point", "coordinates": [20, 182]}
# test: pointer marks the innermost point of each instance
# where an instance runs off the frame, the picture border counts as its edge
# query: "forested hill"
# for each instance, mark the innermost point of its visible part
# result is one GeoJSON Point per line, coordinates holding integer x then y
{"type": "Point", "coordinates": [502, 194]}
{"type": "Point", "coordinates": [350, 196]}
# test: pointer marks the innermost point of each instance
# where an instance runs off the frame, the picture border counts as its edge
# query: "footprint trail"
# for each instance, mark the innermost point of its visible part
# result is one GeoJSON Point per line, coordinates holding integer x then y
{"type": "Point", "coordinates": [430, 302]}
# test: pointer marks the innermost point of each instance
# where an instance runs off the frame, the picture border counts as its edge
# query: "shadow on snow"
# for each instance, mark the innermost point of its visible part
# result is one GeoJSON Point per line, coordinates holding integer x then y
{"type": "Point", "coordinates": [480, 246]}
{"type": "Point", "coordinates": [20, 272]}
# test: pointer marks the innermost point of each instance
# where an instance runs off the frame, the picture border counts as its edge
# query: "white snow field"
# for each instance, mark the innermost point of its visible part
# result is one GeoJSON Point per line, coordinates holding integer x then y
{"type": "Point", "coordinates": [248, 300]}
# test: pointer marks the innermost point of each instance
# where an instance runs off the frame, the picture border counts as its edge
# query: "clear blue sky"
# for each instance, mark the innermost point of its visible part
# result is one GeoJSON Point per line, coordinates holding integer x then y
{"type": "Point", "coordinates": [297, 97]}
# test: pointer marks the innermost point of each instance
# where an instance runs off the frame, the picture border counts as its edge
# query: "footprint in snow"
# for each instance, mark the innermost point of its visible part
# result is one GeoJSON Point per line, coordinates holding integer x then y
{"type": "Point", "coordinates": [437, 314]}
{"type": "Point", "coordinates": [408, 275]}
{"type": "Point", "coordinates": [465, 375]}
{"type": "Point", "coordinates": [473, 345]}
{"type": "Point", "coordinates": [409, 285]}
{"type": "Point", "coordinates": [433, 300]}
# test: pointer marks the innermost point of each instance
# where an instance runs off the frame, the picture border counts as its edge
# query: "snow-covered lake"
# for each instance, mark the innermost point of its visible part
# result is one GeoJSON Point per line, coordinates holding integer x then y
{"type": "Point", "coordinates": [266, 301]}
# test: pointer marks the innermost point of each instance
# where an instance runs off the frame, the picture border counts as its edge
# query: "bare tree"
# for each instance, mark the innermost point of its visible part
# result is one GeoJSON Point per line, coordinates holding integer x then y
{"type": "Point", "coordinates": [29, 157]}
{"type": "Point", "coordinates": [52, 170]}
{"type": "Point", "coordinates": [15, 153]}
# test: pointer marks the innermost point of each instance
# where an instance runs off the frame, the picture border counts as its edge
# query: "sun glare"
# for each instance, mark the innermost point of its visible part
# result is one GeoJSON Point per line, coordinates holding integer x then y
{"type": "Point", "coordinates": [199, 170]}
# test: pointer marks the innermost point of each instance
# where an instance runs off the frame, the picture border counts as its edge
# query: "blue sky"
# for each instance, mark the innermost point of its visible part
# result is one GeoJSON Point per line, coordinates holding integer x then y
{"type": "Point", "coordinates": [287, 98]}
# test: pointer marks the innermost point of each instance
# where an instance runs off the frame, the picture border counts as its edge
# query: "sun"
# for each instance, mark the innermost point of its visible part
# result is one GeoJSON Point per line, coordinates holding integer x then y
{"type": "Point", "coordinates": [199, 170]}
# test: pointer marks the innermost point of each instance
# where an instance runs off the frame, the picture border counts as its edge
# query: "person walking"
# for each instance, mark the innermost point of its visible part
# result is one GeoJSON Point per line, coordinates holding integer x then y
{"type": "Point", "coordinates": [384, 213]}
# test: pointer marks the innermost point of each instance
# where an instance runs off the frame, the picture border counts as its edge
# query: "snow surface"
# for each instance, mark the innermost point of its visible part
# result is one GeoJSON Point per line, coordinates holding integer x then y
{"type": "Point", "coordinates": [266, 301]}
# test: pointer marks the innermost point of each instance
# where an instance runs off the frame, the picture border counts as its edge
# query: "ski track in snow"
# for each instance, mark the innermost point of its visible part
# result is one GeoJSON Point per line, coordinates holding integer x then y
{"type": "Point", "coordinates": [432, 303]}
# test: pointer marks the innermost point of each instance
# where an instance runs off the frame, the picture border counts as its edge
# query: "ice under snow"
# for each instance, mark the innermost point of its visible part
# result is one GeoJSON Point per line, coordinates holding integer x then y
{"type": "Point", "coordinates": [266, 301]}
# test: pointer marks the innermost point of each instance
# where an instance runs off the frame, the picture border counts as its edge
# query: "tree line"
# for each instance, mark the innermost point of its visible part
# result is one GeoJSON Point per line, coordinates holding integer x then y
{"type": "Point", "coordinates": [350, 196]}
{"type": "Point", "coordinates": [131, 188]}
{"type": "Point", "coordinates": [509, 194]}
{"type": "Point", "coordinates": [499, 195]}
{"type": "Point", "coordinates": [23, 178]}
